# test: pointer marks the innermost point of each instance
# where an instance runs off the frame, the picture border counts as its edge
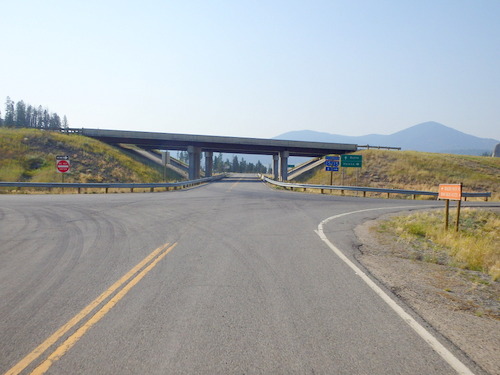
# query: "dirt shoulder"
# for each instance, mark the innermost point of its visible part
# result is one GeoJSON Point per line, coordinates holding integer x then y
{"type": "Point", "coordinates": [464, 306]}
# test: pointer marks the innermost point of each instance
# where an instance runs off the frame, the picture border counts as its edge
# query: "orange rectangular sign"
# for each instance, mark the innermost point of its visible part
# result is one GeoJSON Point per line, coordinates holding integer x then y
{"type": "Point", "coordinates": [450, 191]}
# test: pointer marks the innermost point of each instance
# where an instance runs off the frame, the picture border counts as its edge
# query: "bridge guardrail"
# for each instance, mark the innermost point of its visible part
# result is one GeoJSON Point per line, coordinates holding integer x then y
{"type": "Point", "coordinates": [414, 193]}
{"type": "Point", "coordinates": [106, 186]}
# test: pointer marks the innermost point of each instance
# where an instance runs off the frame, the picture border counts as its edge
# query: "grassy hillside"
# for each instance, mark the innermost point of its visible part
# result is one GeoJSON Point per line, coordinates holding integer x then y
{"type": "Point", "coordinates": [416, 170]}
{"type": "Point", "coordinates": [29, 155]}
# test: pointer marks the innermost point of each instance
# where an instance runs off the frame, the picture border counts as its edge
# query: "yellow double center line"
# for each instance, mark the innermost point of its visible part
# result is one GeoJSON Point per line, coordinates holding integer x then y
{"type": "Point", "coordinates": [126, 282]}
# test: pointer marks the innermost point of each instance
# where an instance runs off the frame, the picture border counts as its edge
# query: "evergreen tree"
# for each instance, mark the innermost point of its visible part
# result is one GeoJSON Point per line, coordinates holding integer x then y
{"type": "Point", "coordinates": [218, 163]}
{"type": "Point", "coordinates": [20, 114]}
{"type": "Point", "coordinates": [236, 165]}
{"type": "Point", "coordinates": [183, 156]}
{"type": "Point", "coordinates": [242, 168]}
{"type": "Point", "coordinates": [9, 112]}
{"type": "Point", "coordinates": [39, 117]}
{"type": "Point", "coordinates": [65, 123]}
{"type": "Point", "coordinates": [55, 121]}
{"type": "Point", "coordinates": [259, 168]}
{"type": "Point", "coordinates": [29, 116]}
{"type": "Point", "coordinates": [45, 119]}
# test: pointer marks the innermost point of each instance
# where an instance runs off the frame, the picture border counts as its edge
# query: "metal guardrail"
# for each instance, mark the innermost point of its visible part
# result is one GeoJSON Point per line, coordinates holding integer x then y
{"type": "Point", "coordinates": [379, 147]}
{"type": "Point", "coordinates": [106, 186]}
{"type": "Point", "coordinates": [414, 193]}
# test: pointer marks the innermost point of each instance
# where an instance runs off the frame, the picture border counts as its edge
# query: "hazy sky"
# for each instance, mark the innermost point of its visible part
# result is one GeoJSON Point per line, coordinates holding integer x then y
{"type": "Point", "coordinates": [256, 68]}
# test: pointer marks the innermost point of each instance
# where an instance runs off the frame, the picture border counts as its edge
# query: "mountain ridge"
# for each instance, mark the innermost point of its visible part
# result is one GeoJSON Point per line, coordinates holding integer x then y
{"type": "Point", "coordinates": [428, 136]}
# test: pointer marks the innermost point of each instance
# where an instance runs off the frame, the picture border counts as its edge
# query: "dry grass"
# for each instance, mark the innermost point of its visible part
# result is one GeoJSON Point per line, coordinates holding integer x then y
{"type": "Point", "coordinates": [29, 155]}
{"type": "Point", "coordinates": [476, 246]}
{"type": "Point", "coordinates": [416, 171]}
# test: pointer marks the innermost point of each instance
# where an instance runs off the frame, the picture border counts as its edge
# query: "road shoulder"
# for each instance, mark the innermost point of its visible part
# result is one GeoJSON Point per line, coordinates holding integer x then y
{"type": "Point", "coordinates": [460, 304]}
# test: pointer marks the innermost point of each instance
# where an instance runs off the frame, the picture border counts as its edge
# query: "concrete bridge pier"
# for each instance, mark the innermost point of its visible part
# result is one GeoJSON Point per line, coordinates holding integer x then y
{"type": "Point", "coordinates": [165, 157]}
{"type": "Point", "coordinates": [194, 162]}
{"type": "Point", "coordinates": [284, 164]}
{"type": "Point", "coordinates": [209, 164]}
{"type": "Point", "coordinates": [276, 170]}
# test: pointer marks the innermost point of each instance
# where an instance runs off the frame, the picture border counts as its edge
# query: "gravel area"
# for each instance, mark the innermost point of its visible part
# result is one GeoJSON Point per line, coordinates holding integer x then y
{"type": "Point", "coordinates": [464, 306]}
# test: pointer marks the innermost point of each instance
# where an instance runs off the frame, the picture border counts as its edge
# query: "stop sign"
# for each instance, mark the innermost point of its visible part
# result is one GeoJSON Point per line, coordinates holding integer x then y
{"type": "Point", "coordinates": [62, 166]}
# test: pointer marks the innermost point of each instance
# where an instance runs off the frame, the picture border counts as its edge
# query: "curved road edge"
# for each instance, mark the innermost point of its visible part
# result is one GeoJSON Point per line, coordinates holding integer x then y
{"type": "Point", "coordinates": [427, 336]}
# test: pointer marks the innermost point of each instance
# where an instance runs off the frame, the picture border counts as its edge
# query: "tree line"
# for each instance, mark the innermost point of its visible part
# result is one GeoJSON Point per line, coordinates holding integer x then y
{"type": "Point", "coordinates": [237, 165]}
{"type": "Point", "coordinates": [22, 115]}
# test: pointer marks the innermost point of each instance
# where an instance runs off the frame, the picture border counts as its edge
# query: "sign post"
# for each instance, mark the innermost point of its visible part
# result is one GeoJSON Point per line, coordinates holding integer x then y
{"type": "Point", "coordinates": [351, 161]}
{"type": "Point", "coordinates": [62, 165]}
{"type": "Point", "coordinates": [332, 165]}
{"type": "Point", "coordinates": [451, 192]}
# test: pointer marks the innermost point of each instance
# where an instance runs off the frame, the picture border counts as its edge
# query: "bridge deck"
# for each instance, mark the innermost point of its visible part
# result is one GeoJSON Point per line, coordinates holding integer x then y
{"type": "Point", "coordinates": [195, 144]}
{"type": "Point", "coordinates": [208, 143]}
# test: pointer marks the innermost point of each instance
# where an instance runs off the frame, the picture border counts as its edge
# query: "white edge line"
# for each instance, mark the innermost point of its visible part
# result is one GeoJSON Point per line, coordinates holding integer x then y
{"type": "Point", "coordinates": [453, 361]}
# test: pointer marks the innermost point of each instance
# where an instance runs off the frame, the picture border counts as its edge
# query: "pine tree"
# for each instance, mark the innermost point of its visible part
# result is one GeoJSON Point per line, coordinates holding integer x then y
{"type": "Point", "coordinates": [236, 165]}
{"type": "Point", "coordinates": [45, 119]}
{"type": "Point", "coordinates": [9, 112]}
{"type": "Point", "coordinates": [183, 156]}
{"type": "Point", "coordinates": [242, 168]}
{"type": "Point", "coordinates": [20, 114]}
{"type": "Point", "coordinates": [39, 117]}
{"type": "Point", "coordinates": [216, 163]}
{"type": "Point", "coordinates": [65, 123]}
{"type": "Point", "coordinates": [54, 121]}
{"type": "Point", "coordinates": [259, 168]}
{"type": "Point", "coordinates": [29, 116]}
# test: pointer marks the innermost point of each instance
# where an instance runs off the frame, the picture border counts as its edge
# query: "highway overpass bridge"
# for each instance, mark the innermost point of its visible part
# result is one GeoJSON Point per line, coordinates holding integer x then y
{"type": "Point", "coordinates": [196, 144]}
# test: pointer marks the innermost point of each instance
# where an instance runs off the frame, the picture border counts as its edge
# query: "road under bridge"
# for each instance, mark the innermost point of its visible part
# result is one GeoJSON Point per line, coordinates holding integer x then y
{"type": "Point", "coordinates": [280, 150]}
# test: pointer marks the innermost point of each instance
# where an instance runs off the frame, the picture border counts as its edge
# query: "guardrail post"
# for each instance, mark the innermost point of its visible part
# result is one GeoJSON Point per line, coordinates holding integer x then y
{"type": "Point", "coordinates": [322, 191]}
{"type": "Point", "coordinates": [364, 194]}
{"type": "Point", "coordinates": [79, 191]}
{"type": "Point", "coordinates": [131, 190]}
{"type": "Point", "coordinates": [106, 190]}
{"type": "Point", "coordinates": [414, 196]}
{"type": "Point", "coordinates": [152, 190]}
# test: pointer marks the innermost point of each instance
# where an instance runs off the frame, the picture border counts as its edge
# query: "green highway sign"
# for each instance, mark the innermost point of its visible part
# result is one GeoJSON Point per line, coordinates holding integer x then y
{"type": "Point", "coordinates": [352, 161]}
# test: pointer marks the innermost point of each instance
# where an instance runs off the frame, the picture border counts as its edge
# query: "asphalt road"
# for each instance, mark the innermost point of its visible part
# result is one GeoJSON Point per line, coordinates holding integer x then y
{"type": "Point", "coordinates": [240, 283]}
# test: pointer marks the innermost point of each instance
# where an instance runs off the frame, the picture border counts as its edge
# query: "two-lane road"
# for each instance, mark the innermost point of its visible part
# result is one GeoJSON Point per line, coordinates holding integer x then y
{"type": "Point", "coordinates": [226, 278]}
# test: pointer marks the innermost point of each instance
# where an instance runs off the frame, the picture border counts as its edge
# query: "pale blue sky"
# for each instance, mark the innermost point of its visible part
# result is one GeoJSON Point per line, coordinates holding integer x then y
{"type": "Point", "coordinates": [256, 68]}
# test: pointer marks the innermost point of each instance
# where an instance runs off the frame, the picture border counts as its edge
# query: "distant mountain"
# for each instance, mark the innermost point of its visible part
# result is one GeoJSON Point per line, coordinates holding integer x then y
{"type": "Point", "coordinates": [428, 136]}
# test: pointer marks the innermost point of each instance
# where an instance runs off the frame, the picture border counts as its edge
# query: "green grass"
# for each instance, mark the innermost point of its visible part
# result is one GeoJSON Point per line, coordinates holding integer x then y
{"type": "Point", "coordinates": [29, 155]}
{"type": "Point", "coordinates": [476, 246]}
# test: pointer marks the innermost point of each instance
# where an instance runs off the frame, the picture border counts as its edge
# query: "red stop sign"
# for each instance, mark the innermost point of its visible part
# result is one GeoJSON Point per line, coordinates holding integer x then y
{"type": "Point", "coordinates": [62, 166]}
